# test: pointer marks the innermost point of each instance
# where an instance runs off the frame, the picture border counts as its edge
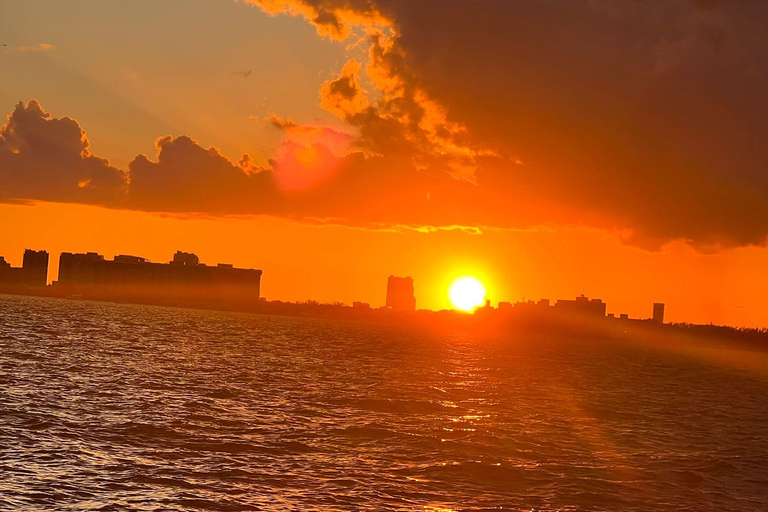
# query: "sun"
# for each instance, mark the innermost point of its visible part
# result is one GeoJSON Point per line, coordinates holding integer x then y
{"type": "Point", "coordinates": [467, 293]}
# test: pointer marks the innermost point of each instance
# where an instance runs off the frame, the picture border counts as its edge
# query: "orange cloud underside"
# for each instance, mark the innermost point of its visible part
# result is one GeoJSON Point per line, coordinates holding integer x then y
{"type": "Point", "coordinates": [300, 167]}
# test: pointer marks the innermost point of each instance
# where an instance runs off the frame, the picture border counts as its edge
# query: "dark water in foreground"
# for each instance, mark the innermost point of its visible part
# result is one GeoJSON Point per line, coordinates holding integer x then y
{"type": "Point", "coordinates": [119, 407]}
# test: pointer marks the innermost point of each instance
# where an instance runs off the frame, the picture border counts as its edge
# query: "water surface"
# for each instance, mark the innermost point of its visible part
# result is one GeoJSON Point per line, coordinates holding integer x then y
{"type": "Point", "coordinates": [122, 407]}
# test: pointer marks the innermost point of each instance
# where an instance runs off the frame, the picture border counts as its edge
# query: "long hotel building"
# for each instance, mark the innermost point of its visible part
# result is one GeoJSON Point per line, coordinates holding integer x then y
{"type": "Point", "coordinates": [183, 280]}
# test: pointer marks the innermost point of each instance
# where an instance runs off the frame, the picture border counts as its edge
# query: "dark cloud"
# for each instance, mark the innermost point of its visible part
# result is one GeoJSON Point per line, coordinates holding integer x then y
{"type": "Point", "coordinates": [190, 178]}
{"type": "Point", "coordinates": [653, 120]}
{"type": "Point", "coordinates": [642, 116]}
{"type": "Point", "coordinates": [50, 159]}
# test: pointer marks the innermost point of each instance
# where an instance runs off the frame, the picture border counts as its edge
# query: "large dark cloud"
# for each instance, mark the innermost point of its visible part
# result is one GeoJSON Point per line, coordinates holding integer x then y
{"type": "Point", "coordinates": [652, 113]}
{"type": "Point", "coordinates": [648, 115]}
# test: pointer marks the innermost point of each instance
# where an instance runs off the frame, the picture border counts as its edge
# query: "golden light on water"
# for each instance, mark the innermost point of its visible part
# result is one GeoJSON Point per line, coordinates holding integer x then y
{"type": "Point", "coordinates": [467, 293]}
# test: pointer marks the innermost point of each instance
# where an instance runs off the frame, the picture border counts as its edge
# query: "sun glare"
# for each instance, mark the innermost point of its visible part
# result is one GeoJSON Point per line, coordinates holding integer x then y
{"type": "Point", "coordinates": [467, 293]}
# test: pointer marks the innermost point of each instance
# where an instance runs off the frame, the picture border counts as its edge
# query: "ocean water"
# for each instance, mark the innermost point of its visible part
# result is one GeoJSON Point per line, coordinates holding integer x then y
{"type": "Point", "coordinates": [123, 407]}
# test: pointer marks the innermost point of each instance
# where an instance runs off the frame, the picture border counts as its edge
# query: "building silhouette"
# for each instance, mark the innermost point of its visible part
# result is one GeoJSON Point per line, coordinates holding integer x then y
{"type": "Point", "coordinates": [400, 295]}
{"type": "Point", "coordinates": [658, 312]}
{"type": "Point", "coordinates": [582, 305]}
{"type": "Point", "coordinates": [183, 280]}
{"type": "Point", "coordinates": [32, 274]}
{"type": "Point", "coordinates": [580, 308]}
{"type": "Point", "coordinates": [185, 258]}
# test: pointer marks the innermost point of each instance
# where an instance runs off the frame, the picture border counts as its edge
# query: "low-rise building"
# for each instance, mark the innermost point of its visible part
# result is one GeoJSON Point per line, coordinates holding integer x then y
{"type": "Point", "coordinates": [184, 279]}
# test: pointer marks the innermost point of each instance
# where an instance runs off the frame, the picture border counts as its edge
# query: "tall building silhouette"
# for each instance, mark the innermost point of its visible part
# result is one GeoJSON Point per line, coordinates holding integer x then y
{"type": "Point", "coordinates": [400, 295]}
{"type": "Point", "coordinates": [658, 312]}
{"type": "Point", "coordinates": [35, 267]}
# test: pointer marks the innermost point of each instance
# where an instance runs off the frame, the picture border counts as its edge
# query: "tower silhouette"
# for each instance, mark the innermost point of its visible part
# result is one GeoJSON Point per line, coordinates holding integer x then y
{"type": "Point", "coordinates": [35, 267]}
{"type": "Point", "coordinates": [400, 296]}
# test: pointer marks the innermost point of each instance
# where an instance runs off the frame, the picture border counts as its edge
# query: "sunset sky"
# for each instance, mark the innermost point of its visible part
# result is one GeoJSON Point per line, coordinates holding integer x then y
{"type": "Point", "coordinates": [612, 148]}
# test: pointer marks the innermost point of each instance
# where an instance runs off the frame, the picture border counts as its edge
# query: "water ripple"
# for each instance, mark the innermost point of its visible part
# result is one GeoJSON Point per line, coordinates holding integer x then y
{"type": "Point", "coordinates": [119, 407]}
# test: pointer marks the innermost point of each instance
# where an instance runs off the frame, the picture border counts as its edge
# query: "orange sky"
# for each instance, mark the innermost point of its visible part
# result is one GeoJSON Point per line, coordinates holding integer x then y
{"type": "Point", "coordinates": [609, 149]}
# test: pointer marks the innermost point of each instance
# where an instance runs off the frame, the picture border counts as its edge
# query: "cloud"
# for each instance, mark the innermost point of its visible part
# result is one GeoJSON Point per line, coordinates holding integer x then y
{"type": "Point", "coordinates": [189, 178]}
{"type": "Point", "coordinates": [332, 19]}
{"type": "Point", "coordinates": [242, 74]}
{"type": "Point", "coordinates": [42, 47]}
{"type": "Point", "coordinates": [339, 143]}
{"type": "Point", "coordinates": [307, 181]}
{"type": "Point", "coordinates": [50, 159]}
{"type": "Point", "coordinates": [344, 96]}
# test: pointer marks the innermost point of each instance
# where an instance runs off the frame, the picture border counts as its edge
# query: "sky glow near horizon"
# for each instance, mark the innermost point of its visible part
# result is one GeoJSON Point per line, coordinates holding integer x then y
{"type": "Point", "coordinates": [572, 179]}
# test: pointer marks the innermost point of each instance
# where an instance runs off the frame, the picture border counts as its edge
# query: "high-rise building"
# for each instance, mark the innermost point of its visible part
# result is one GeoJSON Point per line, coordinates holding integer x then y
{"type": "Point", "coordinates": [400, 295]}
{"type": "Point", "coordinates": [32, 274]}
{"type": "Point", "coordinates": [35, 267]}
{"type": "Point", "coordinates": [658, 312]}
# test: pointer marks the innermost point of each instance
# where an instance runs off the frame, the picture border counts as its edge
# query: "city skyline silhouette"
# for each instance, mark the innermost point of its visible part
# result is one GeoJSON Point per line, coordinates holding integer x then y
{"type": "Point", "coordinates": [186, 281]}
